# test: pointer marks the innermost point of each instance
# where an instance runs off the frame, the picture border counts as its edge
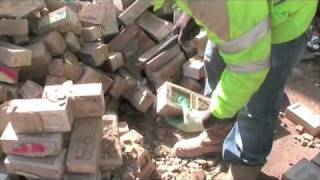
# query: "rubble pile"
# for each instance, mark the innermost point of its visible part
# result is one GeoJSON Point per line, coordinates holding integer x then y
{"type": "Point", "coordinates": [67, 66]}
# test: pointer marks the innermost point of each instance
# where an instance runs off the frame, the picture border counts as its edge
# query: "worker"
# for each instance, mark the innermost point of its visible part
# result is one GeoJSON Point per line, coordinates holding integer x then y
{"type": "Point", "coordinates": [252, 48]}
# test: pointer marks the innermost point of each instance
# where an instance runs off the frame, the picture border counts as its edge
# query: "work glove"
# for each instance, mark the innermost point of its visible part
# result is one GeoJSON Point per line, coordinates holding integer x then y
{"type": "Point", "coordinates": [186, 27]}
{"type": "Point", "coordinates": [191, 121]}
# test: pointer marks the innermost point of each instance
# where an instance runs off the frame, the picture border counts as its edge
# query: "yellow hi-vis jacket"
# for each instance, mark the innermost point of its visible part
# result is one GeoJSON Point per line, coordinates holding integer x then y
{"type": "Point", "coordinates": [244, 31]}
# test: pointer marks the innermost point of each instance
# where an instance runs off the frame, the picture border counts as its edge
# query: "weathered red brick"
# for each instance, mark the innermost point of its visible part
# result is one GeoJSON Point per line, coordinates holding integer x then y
{"type": "Point", "coordinates": [14, 56]}
{"type": "Point", "coordinates": [94, 53]}
{"type": "Point", "coordinates": [56, 67]}
{"type": "Point", "coordinates": [129, 15]}
{"type": "Point", "coordinates": [114, 62]}
{"type": "Point", "coordinates": [30, 90]}
{"type": "Point", "coordinates": [14, 27]}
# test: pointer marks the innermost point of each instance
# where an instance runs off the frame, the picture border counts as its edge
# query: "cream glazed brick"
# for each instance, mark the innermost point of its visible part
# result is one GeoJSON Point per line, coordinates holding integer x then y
{"type": "Point", "coordinates": [30, 145]}
{"type": "Point", "coordinates": [39, 115]}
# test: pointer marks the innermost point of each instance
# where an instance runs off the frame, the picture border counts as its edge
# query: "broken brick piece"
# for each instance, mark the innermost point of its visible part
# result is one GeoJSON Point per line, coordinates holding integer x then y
{"type": "Point", "coordinates": [132, 137]}
{"type": "Point", "coordinates": [129, 15]}
{"type": "Point", "coordinates": [94, 53]}
{"type": "Point", "coordinates": [62, 20]}
{"type": "Point", "coordinates": [30, 145]}
{"type": "Point", "coordinates": [39, 115]}
{"type": "Point", "coordinates": [92, 13]}
{"type": "Point", "coordinates": [302, 115]}
{"type": "Point", "coordinates": [119, 86]}
{"type": "Point", "coordinates": [14, 27]}
{"type": "Point", "coordinates": [123, 38]}
{"type": "Point", "coordinates": [114, 62]}
{"type": "Point", "coordinates": [91, 33]}
{"type": "Point", "coordinates": [110, 23]}
{"type": "Point", "coordinates": [304, 169]}
{"type": "Point", "coordinates": [72, 41]}
{"type": "Point", "coordinates": [56, 67]}
{"type": "Point", "coordinates": [85, 100]}
{"type": "Point", "coordinates": [141, 98]}
{"type": "Point", "coordinates": [72, 68]}
{"type": "Point", "coordinates": [91, 75]}
{"type": "Point", "coordinates": [39, 63]}
{"type": "Point", "coordinates": [30, 90]}
{"type": "Point", "coordinates": [9, 75]}
{"type": "Point", "coordinates": [54, 43]}
{"type": "Point", "coordinates": [156, 27]}
{"type": "Point", "coordinates": [168, 96]}
{"type": "Point", "coordinates": [84, 146]}
{"type": "Point", "coordinates": [191, 84]}
{"type": "Point", "coordinates": [46, 167]}
{"type": "Point", "coordinates": [14, 56]}
{"type": "Point", "coordinates": [111, 156]}
{"type": "Point", "coordinates": [194, 68]}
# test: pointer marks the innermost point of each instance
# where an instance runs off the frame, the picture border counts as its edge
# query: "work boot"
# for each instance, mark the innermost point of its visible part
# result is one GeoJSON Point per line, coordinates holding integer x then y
{"type": "Point", "coordinates": [240, 172]}
{"type": "Point", "coordinates": [209, 142]}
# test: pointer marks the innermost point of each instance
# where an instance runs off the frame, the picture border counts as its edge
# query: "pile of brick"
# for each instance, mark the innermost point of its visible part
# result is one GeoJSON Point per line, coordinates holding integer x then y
{"type": "Point", "coordinates": [65, 66]}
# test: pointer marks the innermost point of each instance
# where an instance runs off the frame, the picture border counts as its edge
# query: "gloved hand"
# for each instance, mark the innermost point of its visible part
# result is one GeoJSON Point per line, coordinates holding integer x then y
{"type": "Point", "coordinates": [186, 27]}
{"type": "Point", "coordinates": [191, 120]}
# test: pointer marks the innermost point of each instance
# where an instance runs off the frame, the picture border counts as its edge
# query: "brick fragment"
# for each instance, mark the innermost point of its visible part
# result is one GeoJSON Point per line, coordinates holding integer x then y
{"type": "Point", "coordinates": [141, 98]}
{"type": "Point", "coordinates": [191, 84]}
{"type": "Point", "coordinates": [156, 27]}
{"type": "Point", "coordinates": [46, 168]}
{"type": "Point", "coordinates": [14, 27]}
{"type": "Point", "coordinates": [56, 67]}
{"type": "Point", "coordinates": [92, 33]}
{"type": "Point", "coordinates": [72, 41]}
{"type": "Point", "coordinates": [302, 170]}
{"type": "Point", "coordinates": [91, 75]}
{"type": "Point", "coordinates": [62, 20]}
{"type": "Point", "coordinates": [301, 114]}
{"type": "Point", "coordinates": [85, 100]}
{"type": "Point", "coordinates": [73, 69]}
{"type": "Point", "coordinates": [39, 63]}
{"type": "Point", "coordinates": [39, 115]}
{"type": "Point", "coordinates": [14, 56]}
{"type": "Point", "coordinates": [9, 8]}
{"type": "Point", "coordinates": [110, 23]}
{"type": "Point", "coordinates": [299, 129]}
{"type": "Point", "coordinates": [194, 68]}
{"type": "Point", "coordinates": [85, 146]}
{"type": "Point", "coordinates": [129, 15]}
{"type": "Point", "coordinates": [123, 38]}
{"type": "Point", "coordinates": [30, 90]}
{"type": "Point", "coordinates": [9, 75]}
{"type": "Point", "coordinates": [30, 145]}
{"type": "Point", "coordinates": [54, 43]}
{"type": "Point", "coordinates": [92, 13]}
{"type": "Point", "coordinates": [55, 80]}
{"type": "Point", "coordinates": [113, 62]}
{"type": "Point", "coordinates": [111, 156]}
{"type": "Point", "coordinates": [167, 100]}
{"type": "Point", "coordinates": [94, 53]}
{"type": "Point", "coordinates": [163, 58]}
{"type": "Point", "coordinates": [21, 40]}
{"type": "Point", "coordinates": [119, 86]}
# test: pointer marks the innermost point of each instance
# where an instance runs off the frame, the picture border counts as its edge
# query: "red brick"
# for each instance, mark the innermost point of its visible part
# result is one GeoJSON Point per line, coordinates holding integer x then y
{"type": "Point", "coordinates": [110, 23]}
{"type": "Point", "coordinates": [194, 68]}
{"type": "Point", "coordinates": [30, 90]}
{"type": "Point", "coordinates": [129, 15]}
{"type": "Point", "coordinates": [56, 67]}
{"type": "Point", "coordinates": [63, 20]}
{"type": "Point", "coordinates": [85, 146]}
{"type": "Point", "coordinates": [72, 41]}
{"type": "Point", "coordinates": [118, 87]}
{"type": "Point", "coordinates": [73, 69]}
{"type": "Point", "coordinates": [191, 84]}
{"type": "Point", "coordinates": [91, 13]}
{"type": "Point", "coordinates": [92, 33]}
{"type": "Point", "coordinates": [39, 115]}
{"type": "Point", "coordinates": [163, 58]}
{"type": "Point", "coordinates": [114, 62]}
{"type": "Point", "coordinates": [123, 38]}
{"type": "Point", "coordinates": [46, 168]}
{"type": "Point", "coordinates": [54, 43]}
{"type": "Point", "coordinates": [111, 155]}
{"type": "Point", "coordinates": [156, 27]}
{"type": "Point", "coordinates": [167, 100]}
{"type": "Point", "coordinates": [301, 114]}
{"type": "Point", "coordinates": [141, 98]}
{"type": "Point", "coordinates": [14, 27]}
{"type": "Point", "coordinates": [14, 56]}
{"type": "Point", "coordinates": [85, 100]}
{"type": "Point", "coordinates": [91, 75]}
{"type": "Point", "coordinates": [9, 8]}
{"type": "Point", "coordinates": [94, 53]}
{"type": "Point", "coordinates": [9, 75]}
{"type": "Point", "coordinates": [30, 145]}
